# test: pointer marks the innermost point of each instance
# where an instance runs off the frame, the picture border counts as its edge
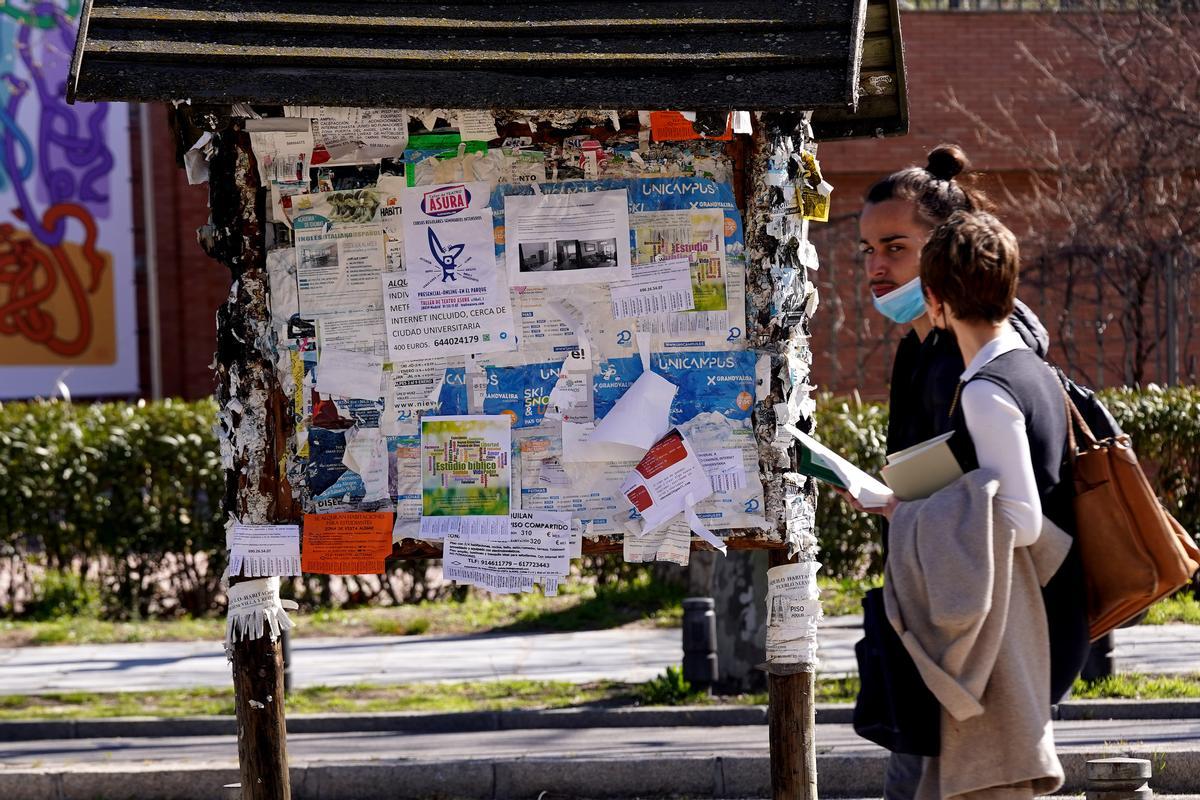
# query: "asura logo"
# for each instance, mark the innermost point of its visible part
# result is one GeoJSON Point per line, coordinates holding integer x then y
{"type": "Point", "coordinates": [446, 201]}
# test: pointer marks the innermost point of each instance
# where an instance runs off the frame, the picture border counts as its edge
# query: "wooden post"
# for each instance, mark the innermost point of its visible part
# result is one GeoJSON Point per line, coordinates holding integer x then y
{"type": "Point", "coordinates": [792, 727]}
{"type": "Point", "coordinates": [254, 429]}
{"type": "Point", "coordinates": [776, 290]}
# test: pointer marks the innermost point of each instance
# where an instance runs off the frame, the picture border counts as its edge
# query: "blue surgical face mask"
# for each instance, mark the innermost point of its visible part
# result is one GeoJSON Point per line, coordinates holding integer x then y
{"type": "Point", "coordinates": [902, 304]}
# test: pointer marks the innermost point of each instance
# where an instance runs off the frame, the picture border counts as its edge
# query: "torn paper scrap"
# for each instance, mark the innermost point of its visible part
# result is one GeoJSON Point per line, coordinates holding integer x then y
{"type": "Point", "coordinates": [346, 373]}
{"type": "Point", "coordinates": [347, 543]}
{"type": "Point", "coordinates": [578, 445]}
{"type": "Point", "coordinates": [659, 287]}
{"type": "Point", "coordinates": [671, 542]}
{"type": "Point", "coordinates": [667, 481]}
{"type": "Point", "coordinates": [254, 610]}
{"type": "Point", "coordinates": [367, 455]}
{"type": "Point", "coordinates": [641, 416]}
{"type": "Point", "coordinates": [264, 550]}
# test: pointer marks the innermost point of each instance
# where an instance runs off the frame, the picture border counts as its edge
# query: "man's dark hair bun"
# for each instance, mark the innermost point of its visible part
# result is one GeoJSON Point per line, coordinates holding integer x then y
{"type": "Point", "coordinates": [946, 161]}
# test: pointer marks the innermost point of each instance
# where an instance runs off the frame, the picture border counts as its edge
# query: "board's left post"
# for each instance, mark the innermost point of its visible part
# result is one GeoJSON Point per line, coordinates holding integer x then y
{"type": "Point", "coordinates": [254, 424]}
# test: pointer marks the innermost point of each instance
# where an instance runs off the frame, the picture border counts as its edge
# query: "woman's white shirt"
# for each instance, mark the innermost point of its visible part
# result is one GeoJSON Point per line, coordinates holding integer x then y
{"type": "Point", "coordinates": [997, 429]}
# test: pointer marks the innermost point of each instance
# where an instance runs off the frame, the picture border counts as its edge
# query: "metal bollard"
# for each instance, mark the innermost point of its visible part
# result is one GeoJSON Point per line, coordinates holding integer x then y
{"type": "Point", "coordinates": [1118, 779]}
{"type": "Point", "coordinates": [700, 666]}
{"type": "Point", "coordinates": [1099, 662]}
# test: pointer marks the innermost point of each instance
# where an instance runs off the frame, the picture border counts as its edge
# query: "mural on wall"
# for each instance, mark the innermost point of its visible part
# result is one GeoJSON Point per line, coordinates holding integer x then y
{"type": "Point", "coordinates": [67, 305]}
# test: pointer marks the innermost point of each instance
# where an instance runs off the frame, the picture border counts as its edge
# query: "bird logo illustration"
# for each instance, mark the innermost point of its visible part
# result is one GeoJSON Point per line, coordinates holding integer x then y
{"type": "Point", "coordinates": [445, 257]}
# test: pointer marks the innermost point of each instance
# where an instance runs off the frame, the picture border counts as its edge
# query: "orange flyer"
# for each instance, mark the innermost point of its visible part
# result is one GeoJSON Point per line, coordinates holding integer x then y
{"type": "Point", "coordinates": [346, 543]}
{"type": "Point", "coordinates": [672, 126]}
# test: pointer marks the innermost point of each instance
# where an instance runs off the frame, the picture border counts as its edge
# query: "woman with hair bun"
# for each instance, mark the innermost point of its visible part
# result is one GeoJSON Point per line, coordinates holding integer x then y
{"type": "Point", "coordinates": [900, 213]}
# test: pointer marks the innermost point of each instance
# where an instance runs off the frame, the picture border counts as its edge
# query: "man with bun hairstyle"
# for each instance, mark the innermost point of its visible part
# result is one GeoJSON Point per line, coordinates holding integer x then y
{"type": "Point", "coordinates": [899, 214]}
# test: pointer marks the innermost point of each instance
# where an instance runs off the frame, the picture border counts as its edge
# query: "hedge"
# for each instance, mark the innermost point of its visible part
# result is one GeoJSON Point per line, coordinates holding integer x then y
{"type": "Point", "coordinates": [125, 496]}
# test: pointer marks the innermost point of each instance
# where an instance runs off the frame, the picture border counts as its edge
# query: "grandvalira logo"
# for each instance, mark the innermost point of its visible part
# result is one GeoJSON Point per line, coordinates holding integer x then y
{"type": "Point", "coordinates": [446, 201]}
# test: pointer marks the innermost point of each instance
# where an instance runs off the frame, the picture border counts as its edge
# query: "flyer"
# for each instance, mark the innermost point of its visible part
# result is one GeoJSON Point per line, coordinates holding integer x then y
{"type": "Point", "coordinates": [668, 480]}
{"type": "Point", "coordinates": [672, 542]}
{"type": "Point", "coordinates": [536, 550]}
{"type": "Point", "coordinates": [340, 251]}
{"type": "Point", "coordinates": [414, 334]}
{"type": "Point", "coordinates": [449, 248]}
{"type": "Point", "coordinates": [346, 543]}
{"type": "Point", "coordinates": [563, 239]}
{"type": "Point", "coordinates": [263, 550]}
{"type": "Point", "coordinates": [434, 386]}
{"type": "Point", "coordinates": [684, 330]}
{"type": "Point", "coordinates": [699, 236]}
{"type": "Point", "coordinates": [657, 288]}
{"type": "Point", "coordinates": [465, 467]}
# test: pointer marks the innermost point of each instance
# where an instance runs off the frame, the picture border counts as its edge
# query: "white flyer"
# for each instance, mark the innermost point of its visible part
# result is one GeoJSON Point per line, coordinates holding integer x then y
{"type": "Point", "coordinates": [794, 580]}
{"type": "Point", "coordinates": [414, 334]}
{"type": "Point", "coordinates": [537, 551]}
{"type": "Point", "coordinates": [340, 251]}
{"type": "Point", "coordinates": [358, 331]}
{"type": "Point", "coordinates": [346, 373]}
{"type": "Point", "coordinates": [282, 148]}
{"type": "Point", "coordinates": [352, 135]}
{"type": "Point", "coordinates": [563, 239]}
{"type": "Point", "coordinates": [667, 481]}
{"type": "Point", "coordinates": [475, 125]}
{"type": "Point", "coordinates": [450, 249]}
{"type": "Point", "coordinates": [413, 388]}
{"type": "Point", "coordinates": [726, 469]}
{"type": "Point", "coordinates": [259, 551]}
{"type": "Point", "coordinates": [660, 287]}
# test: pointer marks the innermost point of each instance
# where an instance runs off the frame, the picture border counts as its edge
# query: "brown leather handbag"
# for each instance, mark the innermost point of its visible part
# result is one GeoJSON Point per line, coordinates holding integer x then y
{"type": "Point", "coordinates": [1134, 552]}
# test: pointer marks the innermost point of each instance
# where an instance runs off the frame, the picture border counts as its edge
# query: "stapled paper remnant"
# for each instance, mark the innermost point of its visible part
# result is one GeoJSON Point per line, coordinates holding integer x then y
{"type": "Point", "coordinates": [793, 608]}
{"type": "Point", "coordinates": [254, 610]}
{"type": "Point", "coordinates": [195, 160]}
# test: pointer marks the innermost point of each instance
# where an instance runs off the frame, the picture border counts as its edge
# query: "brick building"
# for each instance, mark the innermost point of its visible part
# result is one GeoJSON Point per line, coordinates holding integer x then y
{"type": "Point", "coordinates": [974, 56]}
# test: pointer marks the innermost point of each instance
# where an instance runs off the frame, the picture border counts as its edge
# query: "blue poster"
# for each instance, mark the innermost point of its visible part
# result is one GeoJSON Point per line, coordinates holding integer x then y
{"type": "Point", "coordinates": [521, 392]}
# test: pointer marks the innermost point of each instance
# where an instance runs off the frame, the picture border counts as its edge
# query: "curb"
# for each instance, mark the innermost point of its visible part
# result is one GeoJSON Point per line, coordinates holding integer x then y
{"type": "Point", "coordinates": [568, 718]}
{"type": "Point", "coordinates": [857, 775]}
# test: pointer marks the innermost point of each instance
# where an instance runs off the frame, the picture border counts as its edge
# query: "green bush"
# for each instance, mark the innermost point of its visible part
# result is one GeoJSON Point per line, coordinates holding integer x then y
{"type": "Point", "coordinates": [850, 540]}
{"type": "Point", "coordinates": [129, 492]}
{"type": "Point", "coordinates": [62, 594]}
{"type": "Point", "coordinates": [123, 499]}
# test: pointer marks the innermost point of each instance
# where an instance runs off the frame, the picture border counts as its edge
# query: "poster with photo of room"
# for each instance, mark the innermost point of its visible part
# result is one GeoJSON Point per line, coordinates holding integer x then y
{"type": "Point", "coordinates": [567, 238]}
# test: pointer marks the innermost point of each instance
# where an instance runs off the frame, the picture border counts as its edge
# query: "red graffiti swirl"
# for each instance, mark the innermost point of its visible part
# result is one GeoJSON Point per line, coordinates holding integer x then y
{"type": "Point", "coordinates": [30, 273]}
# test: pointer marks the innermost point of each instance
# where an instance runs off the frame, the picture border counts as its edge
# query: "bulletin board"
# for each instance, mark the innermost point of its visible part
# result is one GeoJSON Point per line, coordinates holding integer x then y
{"type": "Point", "coordinates": [507, 338]}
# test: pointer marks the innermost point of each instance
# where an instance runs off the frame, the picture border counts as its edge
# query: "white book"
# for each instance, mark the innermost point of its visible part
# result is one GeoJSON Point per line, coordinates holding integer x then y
{"type": "Point", "coordinates": [918, 471]}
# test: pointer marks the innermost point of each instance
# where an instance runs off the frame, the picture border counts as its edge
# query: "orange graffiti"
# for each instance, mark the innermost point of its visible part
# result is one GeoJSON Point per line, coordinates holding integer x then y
{"type": "Point", "coordinates": [30, 274]}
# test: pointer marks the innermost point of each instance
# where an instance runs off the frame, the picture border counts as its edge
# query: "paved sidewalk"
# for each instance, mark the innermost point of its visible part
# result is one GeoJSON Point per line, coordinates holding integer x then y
{"type": "Point", "coordinates": [624, 654]}
{"type": "Point", "coordinates": [697, 761]}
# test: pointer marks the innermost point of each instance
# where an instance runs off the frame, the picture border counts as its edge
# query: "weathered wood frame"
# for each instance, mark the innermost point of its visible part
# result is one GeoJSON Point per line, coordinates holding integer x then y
{"type": "Point", "coordinates": [258, 426]}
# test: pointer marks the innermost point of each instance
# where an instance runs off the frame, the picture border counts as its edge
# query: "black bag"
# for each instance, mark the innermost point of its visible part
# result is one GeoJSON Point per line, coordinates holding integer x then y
{"type": "Point", "coordinates": [894, 708]}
